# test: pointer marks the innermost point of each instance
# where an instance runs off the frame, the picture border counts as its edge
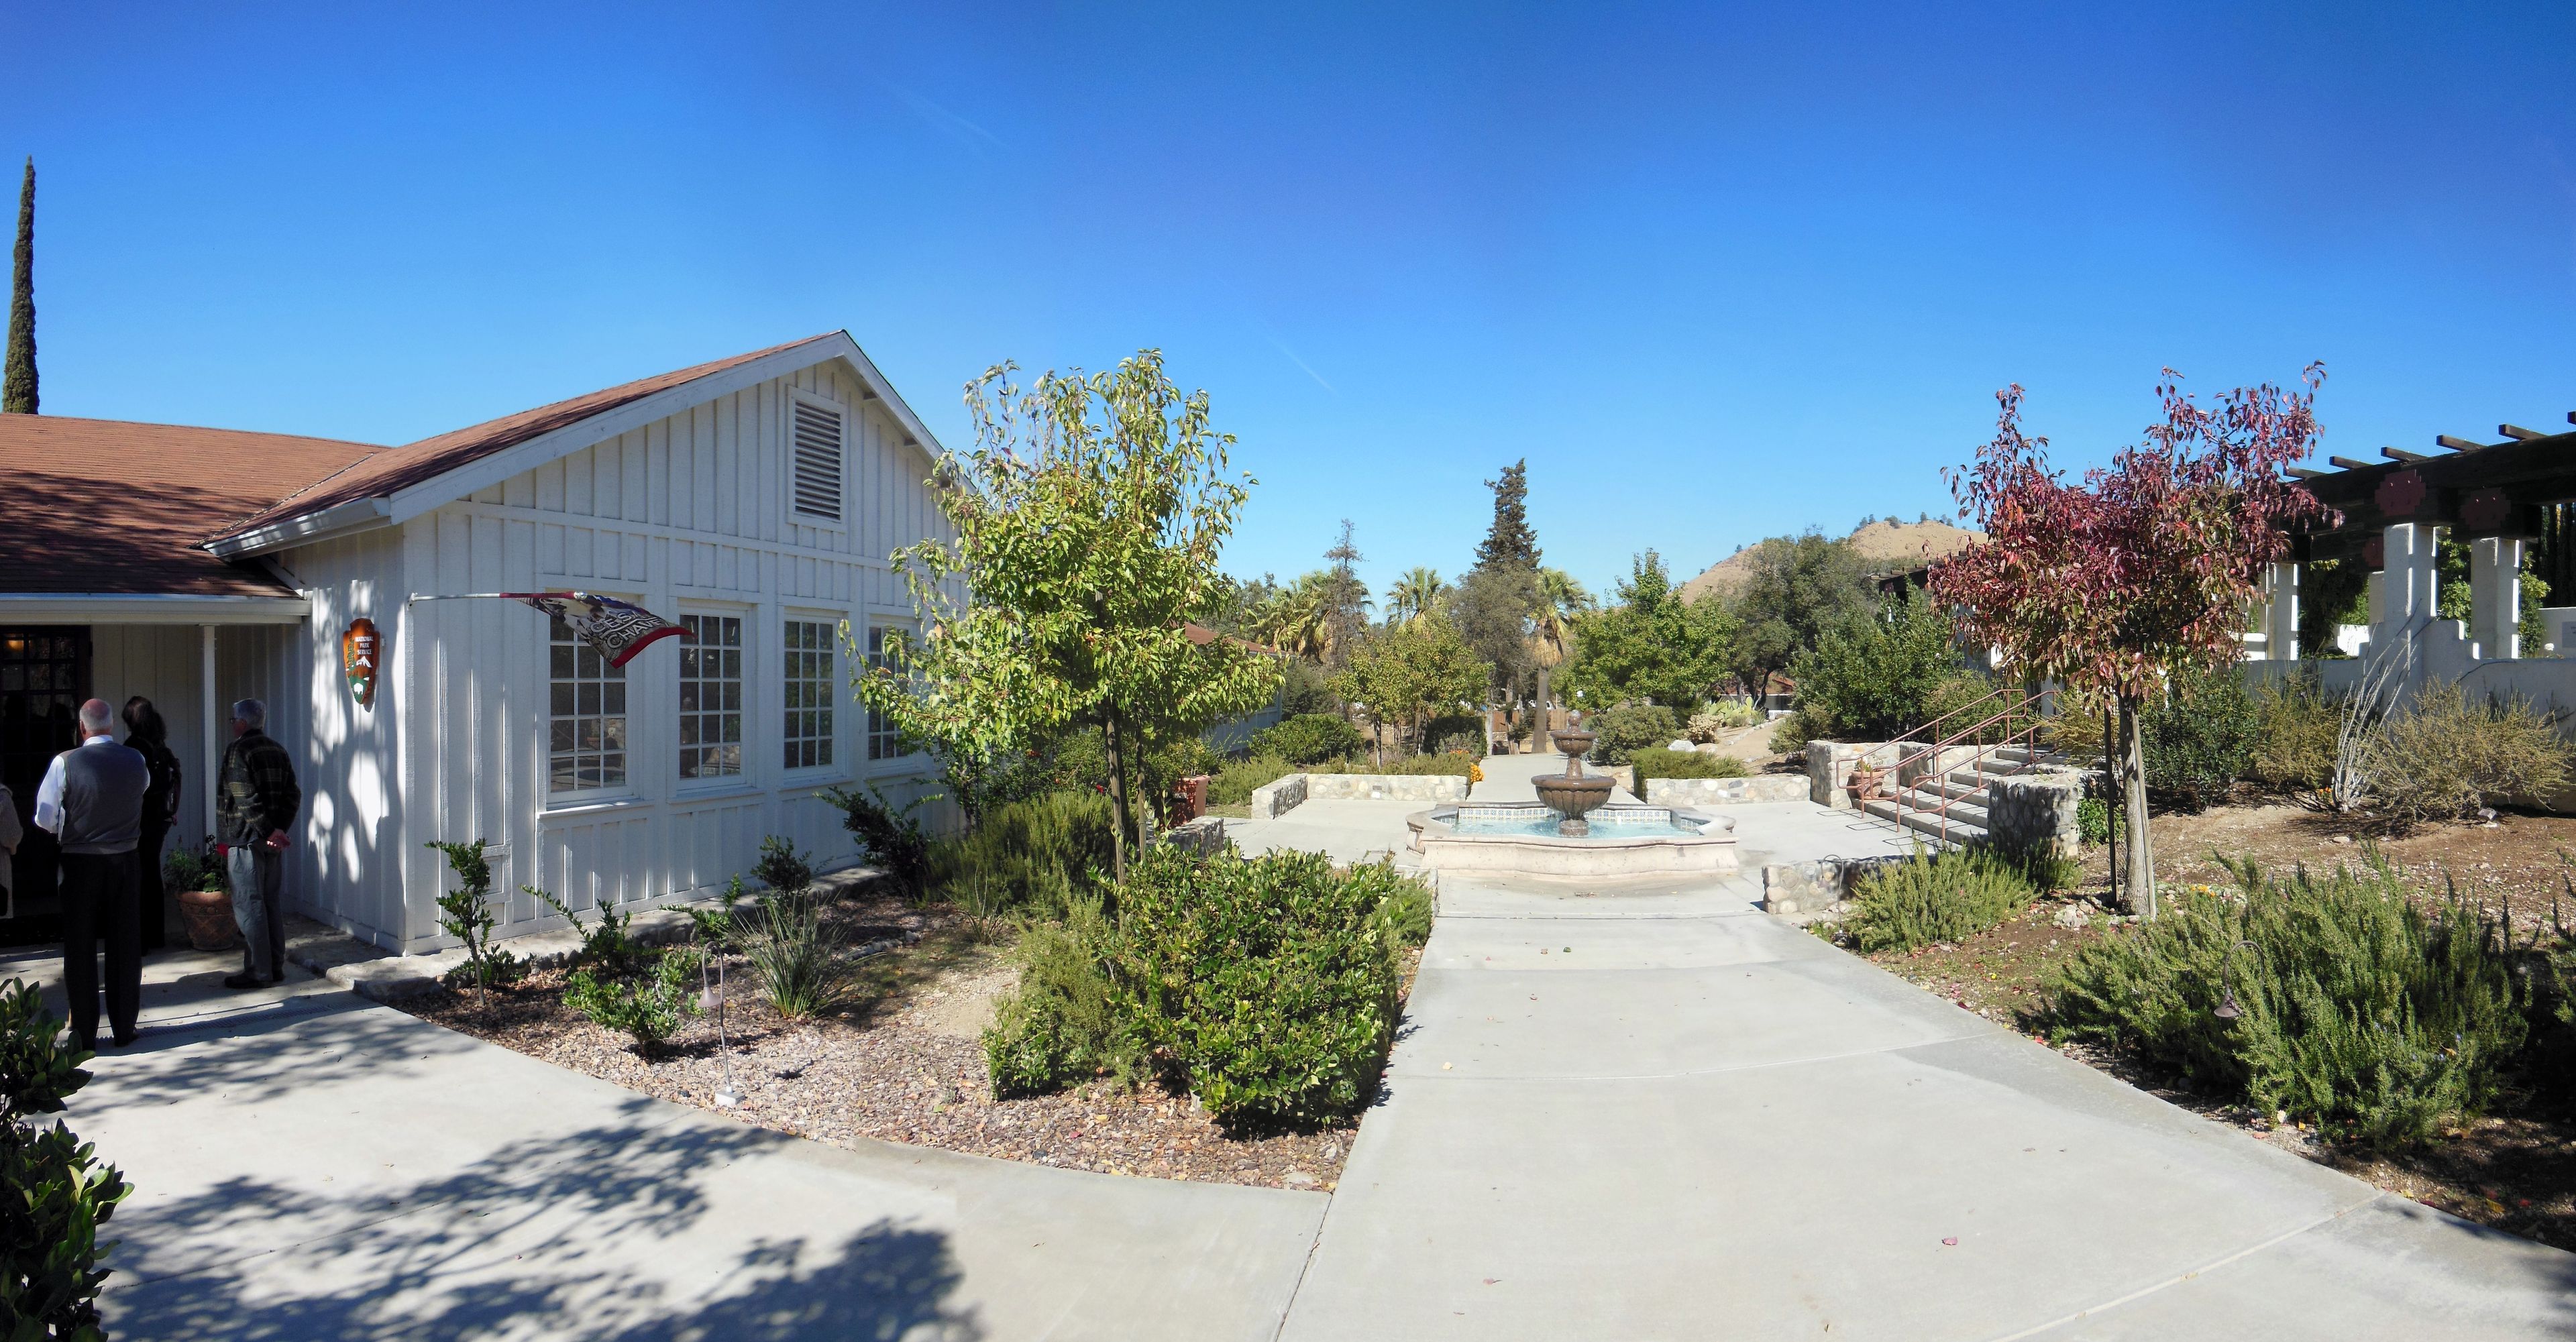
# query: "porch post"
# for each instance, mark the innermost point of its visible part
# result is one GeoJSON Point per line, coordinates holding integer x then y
{"type": "Point", "coordinates": [2495, 595]}
{"type": "Point", "coordinates": [214, 726]}
{"type": "Point", "coordinates": [2406, 588]}
{"type": "Point", "coordinates": [2281, 625]}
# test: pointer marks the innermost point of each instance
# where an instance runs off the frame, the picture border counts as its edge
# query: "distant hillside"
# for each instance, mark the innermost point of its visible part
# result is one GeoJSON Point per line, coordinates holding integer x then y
{"type": "Point", "coordinates": [1888, 547]}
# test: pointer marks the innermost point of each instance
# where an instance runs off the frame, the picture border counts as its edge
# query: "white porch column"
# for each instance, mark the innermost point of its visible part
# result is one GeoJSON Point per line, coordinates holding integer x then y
{"type": "Point", "coordinates": [2495, 595]}
{"type": "Point", "coordinates": [2281, 616]}
{"type": "Point", "coordinates": [2406, 580]}
{"type": "Point", "coordinates": [214, 729]}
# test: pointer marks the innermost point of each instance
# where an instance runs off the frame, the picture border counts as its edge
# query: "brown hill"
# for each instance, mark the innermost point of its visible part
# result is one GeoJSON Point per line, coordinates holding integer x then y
{"type": "Point", "coordinates": [1886, 547]}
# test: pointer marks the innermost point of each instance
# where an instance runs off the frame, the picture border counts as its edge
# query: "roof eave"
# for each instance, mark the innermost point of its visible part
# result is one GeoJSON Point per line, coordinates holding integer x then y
{"type": "Point", "coordinates": [304, 529]}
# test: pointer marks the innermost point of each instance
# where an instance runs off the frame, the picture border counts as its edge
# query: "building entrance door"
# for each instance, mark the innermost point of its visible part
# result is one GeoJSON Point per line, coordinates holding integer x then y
{"type": "Point", "coordinates": [44, 676]}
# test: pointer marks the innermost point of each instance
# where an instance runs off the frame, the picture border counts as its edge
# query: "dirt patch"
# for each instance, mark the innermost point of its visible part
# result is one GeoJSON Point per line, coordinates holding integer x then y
{"type": "Point", "coordinates": [900, 1062]}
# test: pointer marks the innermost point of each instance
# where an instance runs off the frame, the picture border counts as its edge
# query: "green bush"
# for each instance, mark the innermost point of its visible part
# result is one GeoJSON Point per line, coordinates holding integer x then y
{"type": "Point", "coordinates": [2201, 738]}
{"type": "Point", "coordinates": [2093, 821]}
{"type": "Point", "coordinates": [1267, 983]}
{"type": "Point", "coordinates": [793, 954]}
{"type": "Point", "coordinates": [1929, 898]}
{"type": "Point", "coordinates": [1629, 728]}
{"type": "Point", "coordinates": [466, 914]}
{"type": "Point", "coordinates": [2296, 727]}
{"type": "Point", "coordinates": [1405, 914]}
{"type": "Point", "coordinates": [1061, 1025]}
{"type": "Point", "coordinates": [1791, 735]}
{"type": "Point", "coordinates": [1724, 715]}
{"type": "Point", "coordinates": [59, 1192]}
{"type": "Point", "coordinates": [1234, 784]}
{"type": "Point", "coordinates": [2447, 753]}
{"type": "Point", "coordinates": [2359, 1009]}
{"type": "Point", "coordinates": [1455, 733]}
{"type": "Point", "coordinates": [783, 869]}
{"type": "Point", "coordinates": [647, 1008]}
{"type": "Point", "coordinates": [1659, 762]}
{"type": "Point", "coordinates": [1309, 738]}
{"type": "Point", "coordinates": [1873, 680]}
{"type": "Point", "coordinates": [1032, 856]}
{"type": "Point", "coordinates": [892, 840]}
{"type": "Point", "coordinates": [606, 944]}
{"type": "Point", "coordinates": [1453, 764]}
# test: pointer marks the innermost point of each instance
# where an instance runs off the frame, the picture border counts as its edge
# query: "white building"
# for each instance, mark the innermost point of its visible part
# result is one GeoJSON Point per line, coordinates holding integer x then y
{"type": "Point", "coordinates": [754, 499]}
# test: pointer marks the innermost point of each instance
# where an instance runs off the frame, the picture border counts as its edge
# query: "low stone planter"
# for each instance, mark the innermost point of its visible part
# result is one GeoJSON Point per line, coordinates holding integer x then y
{"type": "Point", "coordinates": [1276, 799]}
{"type": "Point", "coordinates": [1718, 791]}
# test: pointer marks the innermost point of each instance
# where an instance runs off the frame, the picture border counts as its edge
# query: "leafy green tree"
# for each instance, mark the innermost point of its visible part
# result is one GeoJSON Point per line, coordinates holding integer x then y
{"type": "Point", "coordinates": [1510, 543]}
{"type": "Point", "coordinates": [1879, 678]}
{"type": "Point", "coordinates": [1417, 594]}
{"type": "Point", "coordinates": [1088, 518]}
{"type": "Point", "coordinates": [1796, 590]}
{"type": "Point", "coordinates": [18, 382]}
{"type": "Point", "coordinates": [1492, 609]}
{"type": "Point", "coordinates": [1651, 643]}
{"type": "Point", "coordinates": [1561, 601]}
{"type": "Point", "coordinates": [1413, 673]}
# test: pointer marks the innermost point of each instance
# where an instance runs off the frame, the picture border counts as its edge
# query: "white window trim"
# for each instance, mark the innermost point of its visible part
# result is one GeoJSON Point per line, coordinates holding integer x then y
{"type": "Point", "coordinates": [887, 618]}
{"type": "Point", "coordinates": [583, 799]}
{"type": "Point", "coordinates": [836, 687]}
{"type": "Point", "coordinates": [849, 434]}
{"type": "Point", "coordinates": [693, 789]}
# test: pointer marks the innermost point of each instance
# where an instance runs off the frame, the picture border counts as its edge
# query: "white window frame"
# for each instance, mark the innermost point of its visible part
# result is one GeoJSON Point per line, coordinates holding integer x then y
{"type": "Point", "coordinates": [835, 685]}
{"type": "Point", "coordinates": [849, 434]}
{"type": "Point", "coordinates": [626, 789]}
{"type": "Point", "coordinates": [863, 756]}
{"type": "Point", "coordinates": [751, 664]}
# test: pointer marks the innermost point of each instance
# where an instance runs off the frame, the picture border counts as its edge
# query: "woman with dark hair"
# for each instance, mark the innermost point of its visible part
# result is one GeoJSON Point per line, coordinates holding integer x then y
{"type": "Point", "coordinates": [150, 737]}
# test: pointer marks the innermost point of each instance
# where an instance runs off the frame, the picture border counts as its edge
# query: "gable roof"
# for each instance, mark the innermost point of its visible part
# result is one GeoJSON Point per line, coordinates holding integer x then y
{"type": "Point", "coordinates": [101, 505]}
{"type": "Point", "coordinates": [398, 483]}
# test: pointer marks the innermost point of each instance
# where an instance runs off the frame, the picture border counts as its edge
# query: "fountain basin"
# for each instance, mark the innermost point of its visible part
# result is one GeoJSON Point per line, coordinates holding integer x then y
{"type": "Point", "coordinates": [1522, 838]}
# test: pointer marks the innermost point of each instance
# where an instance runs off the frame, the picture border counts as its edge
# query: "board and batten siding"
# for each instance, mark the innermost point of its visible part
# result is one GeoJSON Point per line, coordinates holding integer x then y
{"type": "Point", "coordinates": [686, 515]}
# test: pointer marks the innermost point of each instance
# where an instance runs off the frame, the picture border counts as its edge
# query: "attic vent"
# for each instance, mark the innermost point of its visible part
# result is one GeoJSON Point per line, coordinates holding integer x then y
{"type": "Point", "coordinates": [818, 461]}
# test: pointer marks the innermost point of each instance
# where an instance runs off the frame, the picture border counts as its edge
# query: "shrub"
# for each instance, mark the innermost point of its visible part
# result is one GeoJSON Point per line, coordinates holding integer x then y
{"type": "Point", "coordinates": [1061, 1025]}
{"type": "Point", "coordinates": [465, 913]}
{"type": "Point", "coordinates": [1404, 917]}
{"type": "Point", "coordinates": [1455, 733]}
{"type": "Point", "coordinates": [889, 836]}
{"type": "Point", "coordinates": [1267, 982]}
{"type": "Point", "coordinates": [2359, 1008]}
{"type": "Point", "coordinates": [1629, 728]}
{"type": "Point", "coordinates": [1658, 762]}
{"type": "Point", "coordinates": [1792, 735]}
{"type": "Point", "coordinates": [2093, 821]}
{"type": "Point", "coordinates": [2447, 754]}
{"type": "Point", "coordinates": [1872, 680]}
{"type": "Point", "coordinates": [606, 944]}
{"type": "Point", "coordinates": [1030, 856]}
{"type": "Point", "coordinates": [59, 1192]}
{"type": "Point", "coordinates": [1234, 784]}
{"type": "Point", "coordinates": [782, 868]}
{"type": "Point", "coordinates": [2201, 737]}
{"type": "Point", "coordinates": [794, 954]}
{"type": "Point", "coordinates": [1452, 764]}
{"type": "Point", "coordinates": [1928, 898]}
{"type": "Point", "coordinates": [2295, 733]}
{"type": "Point", "coordinates": [647, 1008]}
{"type": "Point", "coordinates": [1309, 738]}
{"type": "Point", "coordinates": [1725, 715]}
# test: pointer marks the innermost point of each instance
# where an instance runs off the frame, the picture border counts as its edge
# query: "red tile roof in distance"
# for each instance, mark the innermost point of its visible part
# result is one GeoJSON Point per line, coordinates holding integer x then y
{"type": "Point", "coordinates": [99, 505]}
{"type": "Point", "coordinates": [399, 468]}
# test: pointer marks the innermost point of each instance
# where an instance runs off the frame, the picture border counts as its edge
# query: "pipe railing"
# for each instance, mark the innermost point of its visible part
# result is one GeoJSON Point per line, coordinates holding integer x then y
{"type": "Point", "coordinates": [2025, 735]}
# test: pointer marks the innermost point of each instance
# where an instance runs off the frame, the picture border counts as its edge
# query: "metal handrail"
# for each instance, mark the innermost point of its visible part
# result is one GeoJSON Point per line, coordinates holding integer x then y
{"type": "Point", "coordinates": [2027, 737]}
{"type": "Point", "coordinates": [1994, 693]}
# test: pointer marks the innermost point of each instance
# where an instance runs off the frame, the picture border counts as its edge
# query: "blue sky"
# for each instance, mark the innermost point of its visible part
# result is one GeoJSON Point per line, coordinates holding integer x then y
{"type": "Point", "coordinates": [1716, 273]}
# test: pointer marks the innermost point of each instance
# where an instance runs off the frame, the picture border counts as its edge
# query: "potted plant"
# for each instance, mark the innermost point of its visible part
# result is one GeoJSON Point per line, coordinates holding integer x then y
{"type": "Point", "coordinates": [205, 905]}
{"type": "Point", "coordinates": [1866, 779]}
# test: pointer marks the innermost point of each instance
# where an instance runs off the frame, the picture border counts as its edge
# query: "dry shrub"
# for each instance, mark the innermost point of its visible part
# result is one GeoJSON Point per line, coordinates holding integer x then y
{"type": "Point", "coordinates": [2295, 744]}
{"type": "Point", "coordinates": [2448, 753]}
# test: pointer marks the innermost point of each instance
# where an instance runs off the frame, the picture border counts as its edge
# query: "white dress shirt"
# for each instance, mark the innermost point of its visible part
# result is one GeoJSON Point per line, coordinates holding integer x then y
{"type": "Point", "coordinates": [49, 794]}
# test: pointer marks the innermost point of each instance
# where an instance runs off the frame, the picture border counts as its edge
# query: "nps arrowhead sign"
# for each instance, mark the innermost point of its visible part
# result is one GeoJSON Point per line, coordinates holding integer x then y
{"type": "Point", "coordinates": [361, 648]}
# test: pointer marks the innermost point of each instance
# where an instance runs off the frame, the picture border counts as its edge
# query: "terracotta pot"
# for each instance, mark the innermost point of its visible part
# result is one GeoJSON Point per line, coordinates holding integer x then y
{"type": "Point", "coordinates": [1864, 785]}
{"type": "Point", "coordinates": [208, 916]}
{"type": "Point", "coordinates": [1194, 796]}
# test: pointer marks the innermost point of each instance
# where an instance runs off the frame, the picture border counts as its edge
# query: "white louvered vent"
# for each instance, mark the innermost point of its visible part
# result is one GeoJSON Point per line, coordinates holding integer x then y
{"type": "Point", "coordinates": [817, 445]}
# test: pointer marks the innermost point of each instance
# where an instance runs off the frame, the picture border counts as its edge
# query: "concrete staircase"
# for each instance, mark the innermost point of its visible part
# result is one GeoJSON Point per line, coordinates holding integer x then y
{"type": "Point", "coordinates": [1958, 795]}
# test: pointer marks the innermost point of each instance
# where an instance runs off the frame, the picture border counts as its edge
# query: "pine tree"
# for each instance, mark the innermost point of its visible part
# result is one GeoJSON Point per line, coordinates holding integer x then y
{"type": "Point", "coordinates": [1510, 544]}
{"type": "Point", "coordinates": [18, 382]}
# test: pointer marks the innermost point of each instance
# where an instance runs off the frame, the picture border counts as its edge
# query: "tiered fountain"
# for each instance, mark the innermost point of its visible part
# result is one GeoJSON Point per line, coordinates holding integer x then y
{"type": "Point", "coordinates": [1573, 829]}
{"type": "Point", "coordinates": [1574, 794]}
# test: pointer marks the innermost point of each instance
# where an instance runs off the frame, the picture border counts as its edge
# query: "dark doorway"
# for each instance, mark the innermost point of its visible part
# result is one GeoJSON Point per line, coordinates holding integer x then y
{"type": "Point", "coordinates": [44, 676]}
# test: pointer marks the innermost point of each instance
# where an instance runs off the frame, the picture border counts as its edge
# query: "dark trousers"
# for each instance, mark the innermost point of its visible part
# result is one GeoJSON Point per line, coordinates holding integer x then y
{"type": "Point", "coordinates": [98, 905]}
{"type": "Point", "coordinates": [153, 919]}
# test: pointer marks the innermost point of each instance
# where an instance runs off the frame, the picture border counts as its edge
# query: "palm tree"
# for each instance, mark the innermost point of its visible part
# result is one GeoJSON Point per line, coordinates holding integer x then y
{"type": "Point", "coordinates": [1415, 595]}
{"type": "Point", "coordinates": [1562, 604]}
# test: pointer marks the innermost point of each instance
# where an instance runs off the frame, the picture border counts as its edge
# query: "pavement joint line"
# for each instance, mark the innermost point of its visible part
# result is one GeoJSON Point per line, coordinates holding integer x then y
{"type": "Point", "coordinates": [1594, 917]}
{"type": "Point", "coordinates": [1709, 1071]}
{"type": "Point", "coordinates": [2212, 1266]}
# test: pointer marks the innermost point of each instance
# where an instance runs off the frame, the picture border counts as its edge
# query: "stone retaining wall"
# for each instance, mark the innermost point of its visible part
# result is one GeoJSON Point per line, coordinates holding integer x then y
{"type": "Point", "coordinates": [1829, 768]}
{"type": "Point", "coordinates": [1720, 791]}
{"type": "Point", "coordinates": [1276, 799]}
{"type": "Point", "coordinates": [2036, 812]}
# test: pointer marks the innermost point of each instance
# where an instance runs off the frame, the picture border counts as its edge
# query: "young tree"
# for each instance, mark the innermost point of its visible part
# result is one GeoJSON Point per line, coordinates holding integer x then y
{"type": "Point", "coordinates": [1652, 643]}
{"type": "Point", "coordinates": [2145, 569]}
{"type": "Point", "coordinates": [1346, 597]}
{"type": "Point", "coordinates": [1509, 543]}
{"type": "Point", "coordinates": [1412, 673]}
{"type": "Point", "coordinates": [1796, 590]}
{"type": "Point", "coordinates": [1088, 518]}
{"type": "Point", "coordinates": [18, 380]}
{"type": "Point", "coordinates": [1878, 678]}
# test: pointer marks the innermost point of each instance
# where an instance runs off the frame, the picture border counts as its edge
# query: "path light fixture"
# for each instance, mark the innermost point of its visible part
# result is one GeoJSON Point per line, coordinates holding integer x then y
{"type": "Point", "coordinates": [711, 999]}
{"type": "Point", "coordinates": [2227, 1008]}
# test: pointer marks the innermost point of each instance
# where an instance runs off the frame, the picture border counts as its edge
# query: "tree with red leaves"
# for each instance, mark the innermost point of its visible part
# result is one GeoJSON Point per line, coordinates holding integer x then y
{"type": "Point", "coordinates": [2145, 569]}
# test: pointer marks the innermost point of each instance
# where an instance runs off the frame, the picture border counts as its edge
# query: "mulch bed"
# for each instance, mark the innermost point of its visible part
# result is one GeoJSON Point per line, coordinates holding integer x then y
{"type": "Point", "coordinates": [899, 1062]}
{"type": "Point", "coordinates": [2514, 1169]}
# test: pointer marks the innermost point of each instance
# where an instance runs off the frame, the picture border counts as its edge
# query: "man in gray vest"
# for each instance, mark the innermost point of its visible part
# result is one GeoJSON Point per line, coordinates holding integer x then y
{"type": "Point", "coordinates": [92, 801]}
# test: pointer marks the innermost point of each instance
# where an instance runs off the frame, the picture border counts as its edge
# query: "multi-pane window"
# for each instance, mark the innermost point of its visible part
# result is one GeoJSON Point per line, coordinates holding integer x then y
{"type": "Point", "coordinates": [711, 696]}
{"type": "Point", "coordinates": [883, 741]}
{"type": "Point", "coordinates": [809, 694]}
{"type": "Point", "coordinates": [586, 745]}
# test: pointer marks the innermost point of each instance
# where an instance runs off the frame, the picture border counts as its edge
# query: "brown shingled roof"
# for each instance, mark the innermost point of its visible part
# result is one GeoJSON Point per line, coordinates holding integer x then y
{"type": "Point", "coordinates": [383, 473]}
{"type": "Point", "coordinates": [98, 505]}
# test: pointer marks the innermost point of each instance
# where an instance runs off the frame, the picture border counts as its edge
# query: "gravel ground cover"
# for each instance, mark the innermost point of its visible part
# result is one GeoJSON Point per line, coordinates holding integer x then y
{"type": "Point", "coordinates": [2514, 1170]}
{"type": "Point", "coordinates": [899, 1062]}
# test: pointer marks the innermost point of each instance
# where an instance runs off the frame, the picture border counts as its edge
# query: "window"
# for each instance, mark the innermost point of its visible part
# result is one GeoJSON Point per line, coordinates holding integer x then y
{"type": "Point", "coordinates": [809, 694]}
{"type": "Point", "coordinates": [711, 696]}
{"type": "Point", "coordinates": [586, 746]}
{"type": "Point", "coordinates": [815, 431]}
{"type": "Point", "coordinates": [883, 741]}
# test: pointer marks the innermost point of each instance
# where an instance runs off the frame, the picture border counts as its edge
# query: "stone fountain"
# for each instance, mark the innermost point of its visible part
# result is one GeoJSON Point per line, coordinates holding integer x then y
{"type": "Point", "coordinates": [1573, 794]}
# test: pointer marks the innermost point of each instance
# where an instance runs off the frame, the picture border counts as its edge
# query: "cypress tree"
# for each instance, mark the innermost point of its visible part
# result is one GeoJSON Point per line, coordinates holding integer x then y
{"type": "Point", "coordinates": [18, 382]}
{"type": "Point", "coordinates": [1510, 544]}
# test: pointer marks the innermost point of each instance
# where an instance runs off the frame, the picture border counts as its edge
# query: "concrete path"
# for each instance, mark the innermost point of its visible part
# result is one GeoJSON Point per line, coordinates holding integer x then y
{"type": "Point", "coordinates": [310, 1166]}
{"type": "Point", "coordinates": [1658, 1114]}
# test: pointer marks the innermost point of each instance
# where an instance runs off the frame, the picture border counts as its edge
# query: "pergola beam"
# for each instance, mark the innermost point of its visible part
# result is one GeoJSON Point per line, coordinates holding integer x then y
{"type": "Point", "coordinates": [2457, 444]}
{"type": "Point", "coordinates": [2305, 473]}
{"type": "Point", "coordinates": [2400, 454]}
{"type": "Point", "coordinates": [2351, 465]}
{"type": "Point", "coordinates": [2519, 433]}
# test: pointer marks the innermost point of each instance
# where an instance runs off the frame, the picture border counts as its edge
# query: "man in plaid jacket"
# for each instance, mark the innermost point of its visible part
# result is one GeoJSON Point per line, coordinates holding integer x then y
{"type": "Point", "coordinates": [255, 804]}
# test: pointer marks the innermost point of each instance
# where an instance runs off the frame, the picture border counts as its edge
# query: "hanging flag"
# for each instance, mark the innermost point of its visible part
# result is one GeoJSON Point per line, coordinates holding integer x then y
{"type": "Point", "coordinates": [618, 629]}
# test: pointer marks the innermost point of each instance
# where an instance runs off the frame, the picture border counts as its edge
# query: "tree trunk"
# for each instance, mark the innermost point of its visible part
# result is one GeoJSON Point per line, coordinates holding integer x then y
{"type": "Point", "coordinates": [2111, 777]}
{"type": "Point", "coordinates": [1538, 731]}
{"type": "Point", "coordinates": [1117, 797]}
{"type": "Point", "coordinates": [2133, 785]}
